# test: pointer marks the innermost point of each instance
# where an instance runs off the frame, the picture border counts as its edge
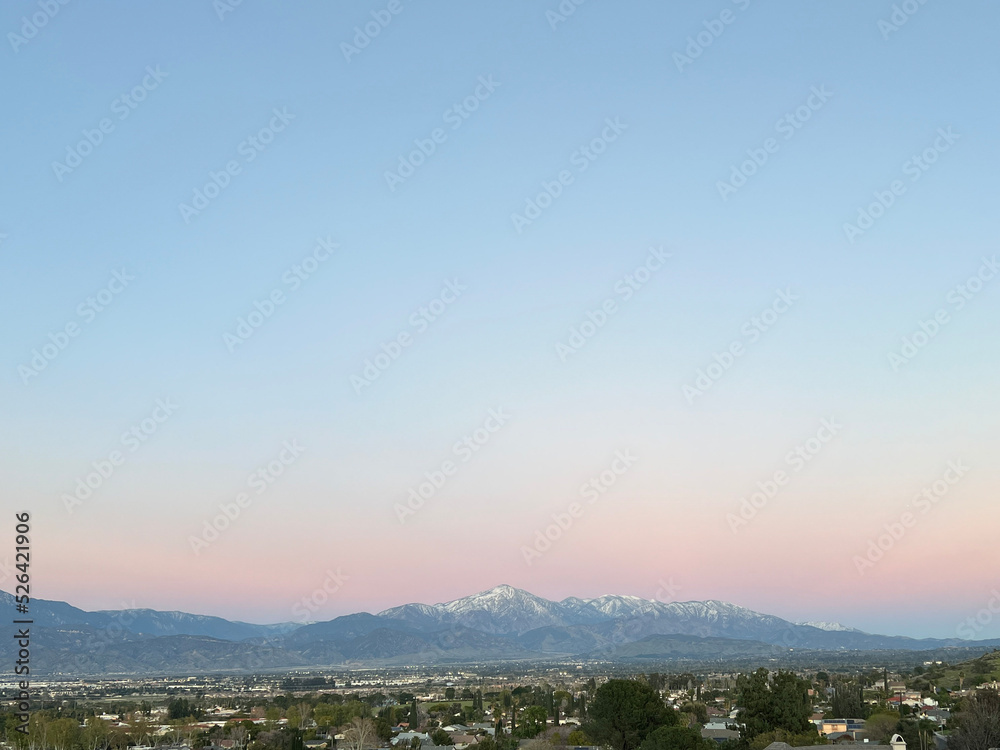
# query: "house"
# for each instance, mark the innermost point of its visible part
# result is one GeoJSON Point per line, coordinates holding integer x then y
{"type": "Point", "coordinates": [719, 724]}
{"type": "Point", "coordinates": [833, 726]}
{"type": "Point", "coordinates": [856, 745]}
{"type": "Point", "coordinates": [845, 738]}
{"type": "Point", "coordinates": [719, 735]}
{"type": "Point", "coordinates": [838, 727]}
{"type": "Point", "coordinates": [404, 738]}
{"type": "Point", "coordinates": [937, 715]}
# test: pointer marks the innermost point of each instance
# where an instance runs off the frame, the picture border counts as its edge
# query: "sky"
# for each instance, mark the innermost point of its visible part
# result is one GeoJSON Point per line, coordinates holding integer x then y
{"type": "Point", "coordinates": [359, 304]}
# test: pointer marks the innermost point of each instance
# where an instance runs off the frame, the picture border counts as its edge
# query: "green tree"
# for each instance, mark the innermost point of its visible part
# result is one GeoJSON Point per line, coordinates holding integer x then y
{"type": "Point", "coordinates": [532, 722]}
{"type": "Point", "coordinates": [768, 705]}
{"type": "Point", "coordinates": [882, 725]}
{"type": "Point", "coordinates": [383, 728]}
{"type": "Point", "coordinates": [847, 702]}
{"type": "Point", "coordinates": [440, 737]}
{"type": "Point", "coordinates": [63, 734]}
{"type": "Point", "coordinates": [676, 738]}
{"type": "Point", "coordinates": [698, 710]}
{"type": "Point", "coordinates": [96, 733]}
{"type": "Point", "coordinates": [624, 712]}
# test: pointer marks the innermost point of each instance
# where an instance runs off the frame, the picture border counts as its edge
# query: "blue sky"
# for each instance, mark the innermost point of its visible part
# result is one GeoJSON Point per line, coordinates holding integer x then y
{"type": "Point", "coordinates": [349, 121]}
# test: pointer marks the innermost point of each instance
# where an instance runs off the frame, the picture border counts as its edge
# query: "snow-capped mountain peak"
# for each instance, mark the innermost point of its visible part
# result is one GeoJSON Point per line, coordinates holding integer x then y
{"type": "Point", "coordinates": [831, 627]}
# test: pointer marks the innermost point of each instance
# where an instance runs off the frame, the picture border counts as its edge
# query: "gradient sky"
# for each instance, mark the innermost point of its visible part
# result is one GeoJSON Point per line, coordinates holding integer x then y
{"type": "Point", "coordinates": [656, 185]}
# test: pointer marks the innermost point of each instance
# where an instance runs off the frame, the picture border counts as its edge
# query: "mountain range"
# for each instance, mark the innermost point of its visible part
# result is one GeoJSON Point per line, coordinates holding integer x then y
{"type": "Point", "coordinates": [502, 624]}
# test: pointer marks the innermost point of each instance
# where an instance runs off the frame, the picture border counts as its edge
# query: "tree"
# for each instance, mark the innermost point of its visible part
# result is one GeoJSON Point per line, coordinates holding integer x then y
{"type": "Point", "coordinates": [847, 702]}
{"type": "Point", "coordinates": [624, 712]}
{"type": "Point", "coordinates": [881, 726]}
{"type": "Point", "coordinates": [767, 706]}
{"type": "Point", "coordinates": [63, 734]}
{"type": "Point", "coordinates": [676, 738]}
{"type": "Point", "coordinates": [578, 737]}
{"type": "Point", "coordinates": [323, 715]}
{"type": "Point", "coordinates": [383, 729]}
{"type": "Point", "coordinates": [698, 710]}
{"type": "Point", "coordinates": [361, 735]}
{"type": "Point", "coordinates": [238, 734]}
{"type": "Point", "coordinates": [449, 694]}
{"type": "Point", "coordinates": [95, 734]}
{"type": "Point", "coordinates": [532, 722]}
{"type": "Point", "coordinates": [978, 723]}
{"type": "Point", "coordinates": [440, 737]}
{"type": "Point", "coordinates": [180, 708]}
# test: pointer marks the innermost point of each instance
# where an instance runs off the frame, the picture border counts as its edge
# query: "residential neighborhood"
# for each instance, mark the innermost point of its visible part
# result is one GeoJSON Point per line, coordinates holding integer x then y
{"type": "Point", "coordinates": [924, 708]}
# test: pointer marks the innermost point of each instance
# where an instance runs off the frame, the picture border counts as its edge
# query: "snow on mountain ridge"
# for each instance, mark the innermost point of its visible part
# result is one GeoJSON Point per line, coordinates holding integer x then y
{"type": "Point", "coordinates": [505, 609]}
{"type": "Point", "coordinates": [830, 627]}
